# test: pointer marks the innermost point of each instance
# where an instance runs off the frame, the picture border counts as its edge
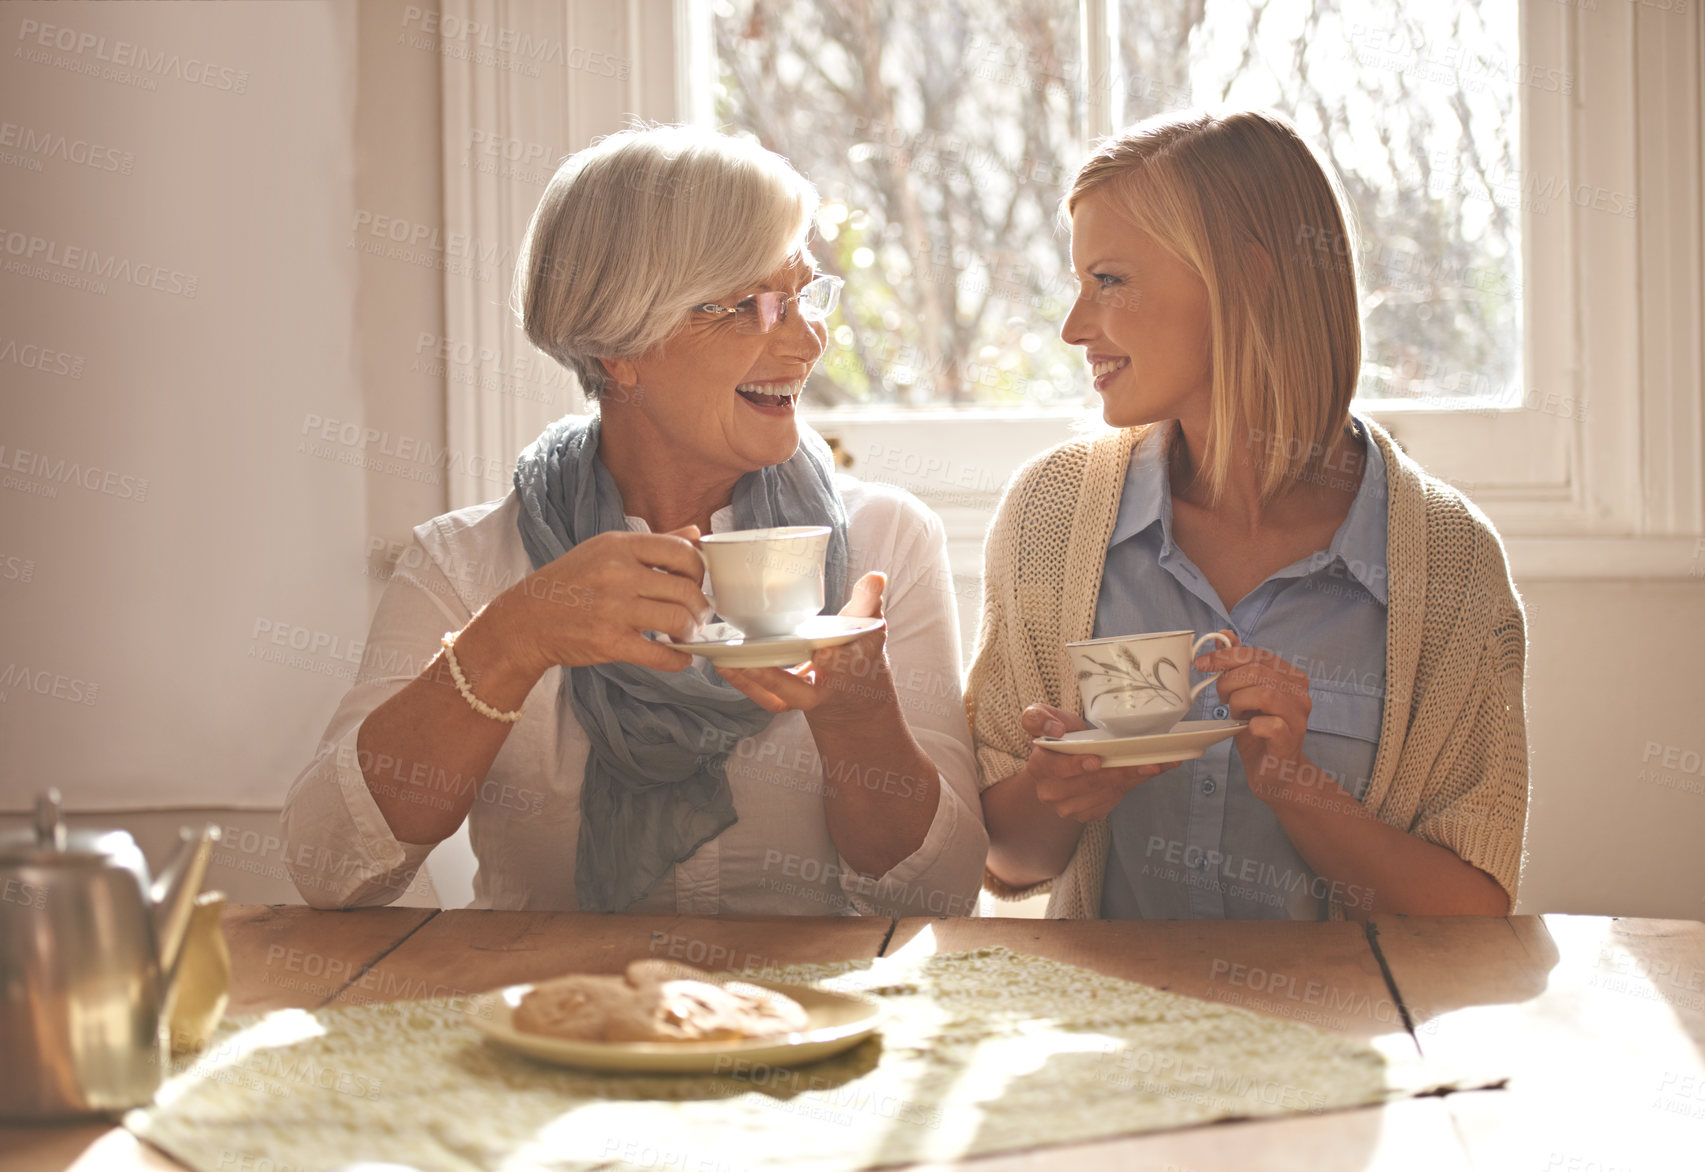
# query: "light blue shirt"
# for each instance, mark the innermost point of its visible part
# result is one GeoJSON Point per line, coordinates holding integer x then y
{"type": "Point", "coordinates": [1194, 843]}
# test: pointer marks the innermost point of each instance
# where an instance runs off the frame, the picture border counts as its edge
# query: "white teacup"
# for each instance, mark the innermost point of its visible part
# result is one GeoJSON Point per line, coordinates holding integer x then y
{"type": "Point", "coordinates": [766, 581]}
{"type": "Point", "coordinates": [1137, 685]}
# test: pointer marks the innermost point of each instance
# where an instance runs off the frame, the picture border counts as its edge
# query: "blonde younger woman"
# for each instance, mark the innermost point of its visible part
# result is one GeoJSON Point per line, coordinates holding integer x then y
{"type": "Point", "coordinates": [1379, 639]}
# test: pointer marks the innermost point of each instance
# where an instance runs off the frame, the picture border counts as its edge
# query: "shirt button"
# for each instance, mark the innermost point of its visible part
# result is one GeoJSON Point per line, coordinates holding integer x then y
{"type": "Point", "coordinates": [1209, 786]}
{"type": "Point", "coordinates": [1221, 712]}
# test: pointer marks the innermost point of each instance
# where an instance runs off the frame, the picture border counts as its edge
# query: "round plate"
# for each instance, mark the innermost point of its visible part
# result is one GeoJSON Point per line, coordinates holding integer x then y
{"type": "Point", "coordinates": [837, 1021]}
{"type": "Point", "coordinates": [1186, 740]}
{"type": "Point", "coordinates": [725, 646]}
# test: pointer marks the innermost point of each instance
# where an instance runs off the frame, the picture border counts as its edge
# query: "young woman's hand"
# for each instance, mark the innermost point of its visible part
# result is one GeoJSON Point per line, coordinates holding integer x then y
{"type": "Point", "coordinates": [849, 683]}
{"type": "Point", "coordinates": [1272, 695]}
{"type": "Point", "coordinates": [1078, 786]}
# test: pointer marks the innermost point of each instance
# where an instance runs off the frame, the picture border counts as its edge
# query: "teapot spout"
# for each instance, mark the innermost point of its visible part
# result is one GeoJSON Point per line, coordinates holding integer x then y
{"type": "Point", "coordinates": [173, 893]}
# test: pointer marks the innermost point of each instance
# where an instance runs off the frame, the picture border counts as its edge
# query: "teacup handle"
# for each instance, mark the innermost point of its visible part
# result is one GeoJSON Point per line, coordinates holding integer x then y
{"type": "Point", "coordinates": [704, 579]}
{"type": "Point", "coordinates": [1196, 649]}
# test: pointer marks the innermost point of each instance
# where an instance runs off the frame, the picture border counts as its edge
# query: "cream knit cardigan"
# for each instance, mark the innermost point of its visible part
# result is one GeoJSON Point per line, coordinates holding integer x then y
{"type": "Point", "coordinates": [1451, 766]}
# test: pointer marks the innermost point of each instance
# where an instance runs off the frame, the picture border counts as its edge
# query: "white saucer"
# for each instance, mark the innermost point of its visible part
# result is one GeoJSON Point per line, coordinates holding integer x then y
{"type": "Point", "coordinates": [725, 646]}
{"type": "Point", "coordinates": [1186, 740]}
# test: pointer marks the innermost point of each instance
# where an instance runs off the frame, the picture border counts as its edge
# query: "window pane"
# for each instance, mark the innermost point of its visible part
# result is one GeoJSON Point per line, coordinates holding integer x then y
{"type": "Point", "coordinates": [1416, 106]}
{"type": "Point", "coordinates": [941, 137]}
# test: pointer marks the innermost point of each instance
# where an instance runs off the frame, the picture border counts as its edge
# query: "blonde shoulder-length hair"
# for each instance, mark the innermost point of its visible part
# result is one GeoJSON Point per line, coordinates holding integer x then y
{"type": "Point", "coordinates": [641, 226]}
{"type": "Point", "coordinates": [1242, 200]}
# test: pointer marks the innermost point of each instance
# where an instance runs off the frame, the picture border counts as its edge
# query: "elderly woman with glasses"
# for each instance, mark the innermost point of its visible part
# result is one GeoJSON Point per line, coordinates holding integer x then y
{"type": "Point", "coordinates": [524, 669]}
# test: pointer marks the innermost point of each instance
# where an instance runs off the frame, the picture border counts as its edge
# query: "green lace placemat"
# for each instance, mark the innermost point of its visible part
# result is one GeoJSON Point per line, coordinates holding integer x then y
{"type": "Point", "coordinates": [982, 1051]}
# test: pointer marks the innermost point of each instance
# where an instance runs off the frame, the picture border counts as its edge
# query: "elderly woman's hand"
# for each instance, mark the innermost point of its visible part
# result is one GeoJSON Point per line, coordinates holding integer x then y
{"type": "Point", "coordinates": [1078, 786]}
{"type": "Point", "coordinates": [594, 603]}
{"type": "Point", "coordinates": [1272, 695]}
{"type": "Point", "coordinates": [846, 683]}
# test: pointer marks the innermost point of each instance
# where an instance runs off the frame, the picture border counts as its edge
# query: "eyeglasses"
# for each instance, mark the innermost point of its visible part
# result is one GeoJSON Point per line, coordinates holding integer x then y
{"type": "Point", "coordinates": [764, 312]}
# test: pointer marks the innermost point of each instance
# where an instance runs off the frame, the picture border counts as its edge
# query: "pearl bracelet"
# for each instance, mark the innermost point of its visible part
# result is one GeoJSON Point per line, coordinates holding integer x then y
{"type": "Point", "coordinates": [478, 705]}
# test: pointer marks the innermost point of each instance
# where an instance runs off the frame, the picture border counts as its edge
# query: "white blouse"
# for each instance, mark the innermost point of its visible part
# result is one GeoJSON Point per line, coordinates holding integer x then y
{"type": "Point", "coordinates": [525, 822]}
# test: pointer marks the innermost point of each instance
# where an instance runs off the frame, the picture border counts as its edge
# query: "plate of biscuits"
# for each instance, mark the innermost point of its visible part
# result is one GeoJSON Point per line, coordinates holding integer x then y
{"type": "Point", "coordinates": [666, 1017]}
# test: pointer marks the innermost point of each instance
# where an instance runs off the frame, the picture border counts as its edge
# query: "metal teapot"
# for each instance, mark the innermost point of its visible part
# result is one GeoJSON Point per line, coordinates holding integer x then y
{"type": "Point", "coordinates": [88, 950]}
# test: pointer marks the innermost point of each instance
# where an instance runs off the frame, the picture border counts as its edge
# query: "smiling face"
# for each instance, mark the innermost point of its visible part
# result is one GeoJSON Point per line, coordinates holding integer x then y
{"type": "Point", "coordinates": [718, 400]}
{"type": "Point", "coordinates": [1142, 319]}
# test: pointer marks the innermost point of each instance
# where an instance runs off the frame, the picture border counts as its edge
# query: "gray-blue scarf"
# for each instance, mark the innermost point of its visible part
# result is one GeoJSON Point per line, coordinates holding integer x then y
{"type": "Point", "coordinates": [656, 785]}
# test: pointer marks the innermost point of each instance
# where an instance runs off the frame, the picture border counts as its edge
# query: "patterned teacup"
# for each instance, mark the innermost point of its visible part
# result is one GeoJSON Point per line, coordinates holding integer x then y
{"type": "Point", "coordinates": [1137, 685]}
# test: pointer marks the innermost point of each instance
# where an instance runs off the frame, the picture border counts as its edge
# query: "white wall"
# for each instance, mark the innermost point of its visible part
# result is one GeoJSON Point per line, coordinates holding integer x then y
{"type": "Point", "coordinates": [151, 611]}
{"type": "Point", "coordinates": [153, 597]}
{"type": "Point", "coordinates": [1615, 686]}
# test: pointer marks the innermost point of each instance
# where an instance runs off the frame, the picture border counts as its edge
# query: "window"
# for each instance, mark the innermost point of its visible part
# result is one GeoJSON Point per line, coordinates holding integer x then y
{"type": "Point", "coordinates": [942, 168]}
{"type": "Point", "coordinates": [944, 136]}
{"type": "Point", "coordinates": [1563, 396]}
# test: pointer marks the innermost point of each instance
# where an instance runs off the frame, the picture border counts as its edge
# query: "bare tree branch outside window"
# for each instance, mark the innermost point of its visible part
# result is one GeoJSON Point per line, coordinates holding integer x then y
{"type": "Point", "coordinates": [943, 136]}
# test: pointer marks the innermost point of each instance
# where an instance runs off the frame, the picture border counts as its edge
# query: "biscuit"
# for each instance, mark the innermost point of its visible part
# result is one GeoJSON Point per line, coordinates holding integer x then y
{"type": "Point", "coordinates": [570, 1007]}
{"type": "Point", "coordinates": [657, 1001]}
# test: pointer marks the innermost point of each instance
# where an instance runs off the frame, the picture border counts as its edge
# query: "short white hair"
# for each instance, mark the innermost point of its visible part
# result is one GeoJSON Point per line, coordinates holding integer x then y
{"type": "Point", "coordinates": [643, 225]}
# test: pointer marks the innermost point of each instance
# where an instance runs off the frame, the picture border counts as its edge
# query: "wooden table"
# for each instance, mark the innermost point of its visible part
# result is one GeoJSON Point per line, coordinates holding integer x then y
{"type": "Point", "coordinates": [1600, 1023]}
